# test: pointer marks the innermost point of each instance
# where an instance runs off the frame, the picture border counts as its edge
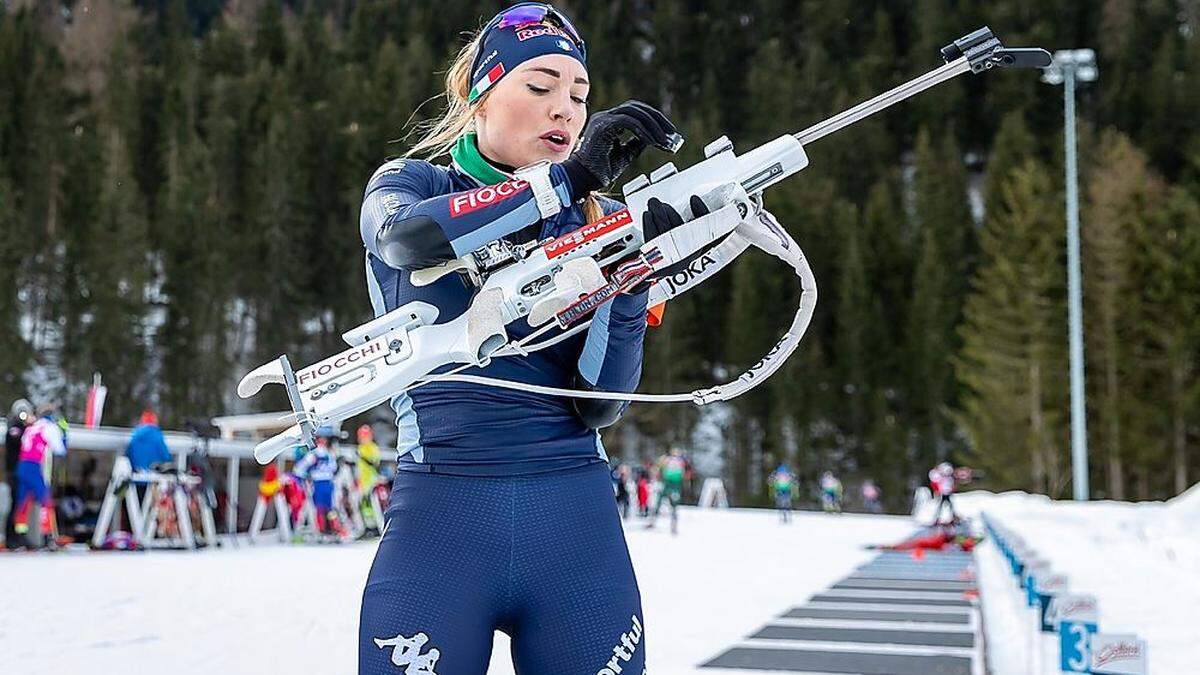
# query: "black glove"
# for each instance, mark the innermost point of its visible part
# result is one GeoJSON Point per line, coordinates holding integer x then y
{"type": "Point", "coordinates": [660, 218]}
{"type": "Point", "coordinates": [602, 155]}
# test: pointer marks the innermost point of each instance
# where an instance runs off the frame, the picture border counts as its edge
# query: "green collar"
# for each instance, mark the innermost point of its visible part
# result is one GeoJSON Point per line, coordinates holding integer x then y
{"type": "Point", "coordinates": [466, 154]}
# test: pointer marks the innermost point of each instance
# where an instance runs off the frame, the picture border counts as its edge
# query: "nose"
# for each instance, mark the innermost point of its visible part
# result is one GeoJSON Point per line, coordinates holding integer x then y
{"type": "Point", "coordinates": [560, 107]}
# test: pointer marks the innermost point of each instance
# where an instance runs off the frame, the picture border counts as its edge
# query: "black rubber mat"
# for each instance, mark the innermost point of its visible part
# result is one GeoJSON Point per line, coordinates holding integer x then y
{"type": "Point", "coordinates": [905, 562]}
{"type": "Point", "coordinates": [753, 658]}
{"type": "Point", "coordinates": [904, 574]}
{"type": "Point", "coordinates": [877, 615]}
{"type": "Point", "coordinates": [866, 635]}
{"type": "Point", "coordinates": [865, 583]}
{"type": "Point", "coordinates": [928, 602]}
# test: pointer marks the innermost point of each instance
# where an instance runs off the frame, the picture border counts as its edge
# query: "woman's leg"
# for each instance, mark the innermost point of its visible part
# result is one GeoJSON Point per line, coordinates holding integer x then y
{"type": "Point", "coordinates": [21, 513]}
{"type": "Point", "coordinates": [31, 495]}
{"type": "Point", "coordinates": [322, 495]}
{"type": "Point", "coordinates": [937, 513]}
{"type": "Point", "coordinates": [439, 579]}
{"type": "Point", "coordinates": [576, 606]}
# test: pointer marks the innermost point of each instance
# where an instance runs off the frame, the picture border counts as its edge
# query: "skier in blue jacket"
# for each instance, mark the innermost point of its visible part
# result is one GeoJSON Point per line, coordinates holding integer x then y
{"type": "Point", "coordinates": [146, 445]}
{"type": "Point", "coordinates": [320, 466]}
{"type": "Point", "coordinates": [502, 515]}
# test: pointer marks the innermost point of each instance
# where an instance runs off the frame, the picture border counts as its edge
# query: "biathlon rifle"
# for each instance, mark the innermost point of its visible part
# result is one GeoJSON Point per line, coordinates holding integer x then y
{"type": "Point", "coordinates": [557, 283]}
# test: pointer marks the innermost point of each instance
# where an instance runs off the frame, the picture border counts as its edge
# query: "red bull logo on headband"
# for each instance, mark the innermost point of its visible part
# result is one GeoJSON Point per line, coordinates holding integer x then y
{"type": "Point", "coordinates": [524, 34]}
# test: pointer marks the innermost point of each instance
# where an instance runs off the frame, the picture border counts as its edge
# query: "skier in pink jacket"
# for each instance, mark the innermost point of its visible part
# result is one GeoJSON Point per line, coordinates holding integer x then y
{"type": "Point", "coordinates": [32, 491]}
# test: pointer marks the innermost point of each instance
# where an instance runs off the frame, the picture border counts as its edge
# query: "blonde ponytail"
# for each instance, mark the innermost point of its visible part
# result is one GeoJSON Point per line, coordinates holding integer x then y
{"type": "Point", "coordinates": [440, 134]}
{"type": "Point", "coordinates": [592, 211]}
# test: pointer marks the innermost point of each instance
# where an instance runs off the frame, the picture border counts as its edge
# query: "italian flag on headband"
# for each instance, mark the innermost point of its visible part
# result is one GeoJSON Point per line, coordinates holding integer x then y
{"type": "Point", "coordinates": [488, 80]}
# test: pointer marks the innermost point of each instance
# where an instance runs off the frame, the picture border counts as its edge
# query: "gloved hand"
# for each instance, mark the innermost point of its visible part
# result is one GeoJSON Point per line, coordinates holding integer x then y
{"type": "Point", "coordinates": [602, 154]}
{"type": "Point", "coordinates": [661, 218]}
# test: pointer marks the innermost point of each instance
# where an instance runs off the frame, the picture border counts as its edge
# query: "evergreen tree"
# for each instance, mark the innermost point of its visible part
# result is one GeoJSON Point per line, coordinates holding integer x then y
{"type": "Point", "coordinates": [278, 303]}
{"type": "Point", "coordinates": [1120, 194]}
{"type": "Point", "coordinates": [946, 245]}
{"type": "Point", "coordinates": [194, 290]}
{"type": "Point", "coordinates": [270, 41]}
{"type": "Point", "coordinates": [888, 263]}
{"type": "Point", "coordinates": [32, 138]}
{"type": "Point", "coordinates": [70, 299]}
{"type": "Point", "coordinates": [859, 315]}
{"type": "Point", "coordinates": [1014, 339]}
{"type": "Point", "coordinates": [928, 347]}
{"type": "Point", "coordinates": [1012, 146]}
{"type": "Point", "coordinates": [14, 351]}
{"type": "Point", "coordinates": [1166, 267]}
{"type": "Point", "coordinates": [116, 263]}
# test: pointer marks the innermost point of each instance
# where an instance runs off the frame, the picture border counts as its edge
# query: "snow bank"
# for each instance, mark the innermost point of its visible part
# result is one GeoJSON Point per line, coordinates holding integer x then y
{"type": "Point", "coordinates": [1184, 510]}
{"type": "Point", "coordinates": [1141, 561]}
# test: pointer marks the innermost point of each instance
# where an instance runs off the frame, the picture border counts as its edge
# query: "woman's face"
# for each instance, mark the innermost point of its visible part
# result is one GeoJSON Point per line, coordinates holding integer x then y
{"type": "Point", "coordinates": [535, 112]}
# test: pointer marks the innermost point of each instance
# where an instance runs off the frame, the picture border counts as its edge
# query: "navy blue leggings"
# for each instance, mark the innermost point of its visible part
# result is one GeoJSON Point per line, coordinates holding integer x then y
{"type": "Point", "coordinates": [541, 557]}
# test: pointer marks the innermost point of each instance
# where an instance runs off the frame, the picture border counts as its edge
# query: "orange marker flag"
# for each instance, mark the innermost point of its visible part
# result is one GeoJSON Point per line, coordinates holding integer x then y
{"type": "Point", "coordinates": [654, 315]}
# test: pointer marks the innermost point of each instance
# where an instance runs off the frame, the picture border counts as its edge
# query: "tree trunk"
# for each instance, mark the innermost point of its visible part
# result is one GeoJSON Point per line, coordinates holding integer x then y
{"type": "Point", "coordinates": [1116, 469]}
{"type": "Point", "coordinates": [1143, 482]}
{"type": "Point", "coordinates": [1037, 445]}
{"type": "Point", "coordinates": [741, 462]}
{"type": "Point", "coordinates": [1181, 467]}
{"type": "Point", "coordinates": [1116, 477]}
{"type": "Point", "coordinates": [1179, 430]}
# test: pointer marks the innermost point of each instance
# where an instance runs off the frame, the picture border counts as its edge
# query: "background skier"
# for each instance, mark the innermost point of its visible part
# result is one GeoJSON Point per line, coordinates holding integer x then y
{"type": "Point", "coordinates": [21, 415]}
{"type": "Point", "coordinates": [33, 499]}
{"type": "Point", "coordinates": [942, 483]}
{"type": "Point", "coordinates": [319, 466]}
{"type": "Point", "coordinates": [831, 493]}
{"type": "Point", "coordinates": [672, 469]}
{"type": "Point", "coordinates": [783, 484]}
{"type": "Point", "coordinates": [870, 496]}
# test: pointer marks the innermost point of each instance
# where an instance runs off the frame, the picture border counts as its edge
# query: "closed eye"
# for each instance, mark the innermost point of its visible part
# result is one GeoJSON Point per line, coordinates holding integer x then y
{"type": "Point", "coordinates": [537, 90]}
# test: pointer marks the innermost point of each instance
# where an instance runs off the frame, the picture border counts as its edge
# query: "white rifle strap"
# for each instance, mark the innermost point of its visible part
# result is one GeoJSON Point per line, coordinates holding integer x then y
{"type": "Point", "coordinates": [760, 230]}
{"type": "Point", "coordinates": [770, 237]}
{"type": "Point", "coordinates": [707, 264]}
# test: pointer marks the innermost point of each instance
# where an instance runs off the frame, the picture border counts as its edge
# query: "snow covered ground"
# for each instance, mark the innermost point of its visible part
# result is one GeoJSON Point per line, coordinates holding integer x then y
{"type": "Point", "coordinates": [269, 608]}
{"type": "Point", "coordinates": [1141, 561]}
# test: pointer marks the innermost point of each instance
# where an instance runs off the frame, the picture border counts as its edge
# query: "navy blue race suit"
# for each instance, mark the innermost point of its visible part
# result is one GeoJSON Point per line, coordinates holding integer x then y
{"type": "Point", "coordinates": [502, 514]}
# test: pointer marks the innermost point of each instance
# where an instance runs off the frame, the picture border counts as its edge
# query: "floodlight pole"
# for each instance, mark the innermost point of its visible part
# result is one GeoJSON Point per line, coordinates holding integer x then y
{"type": "Point", "coordinates": [1066, 65]}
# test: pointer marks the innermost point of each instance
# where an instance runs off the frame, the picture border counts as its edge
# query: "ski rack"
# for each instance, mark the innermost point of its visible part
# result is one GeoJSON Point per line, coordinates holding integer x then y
{"type": "Point", "coordinates": [393, 352]}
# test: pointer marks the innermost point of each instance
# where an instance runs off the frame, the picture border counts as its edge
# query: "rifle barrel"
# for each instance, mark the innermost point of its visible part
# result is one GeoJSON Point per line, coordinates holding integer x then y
{"type": "Point", "coordinates": [884, 100]}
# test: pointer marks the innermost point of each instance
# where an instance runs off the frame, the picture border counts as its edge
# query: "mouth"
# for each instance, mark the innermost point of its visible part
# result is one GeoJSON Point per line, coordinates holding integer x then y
{"type": "Point", "coordinates": [557, 139]}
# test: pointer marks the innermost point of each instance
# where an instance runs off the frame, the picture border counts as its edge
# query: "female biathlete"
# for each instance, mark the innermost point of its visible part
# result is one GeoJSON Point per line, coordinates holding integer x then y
{"type": "Point", "coordinates": [502, 514]}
